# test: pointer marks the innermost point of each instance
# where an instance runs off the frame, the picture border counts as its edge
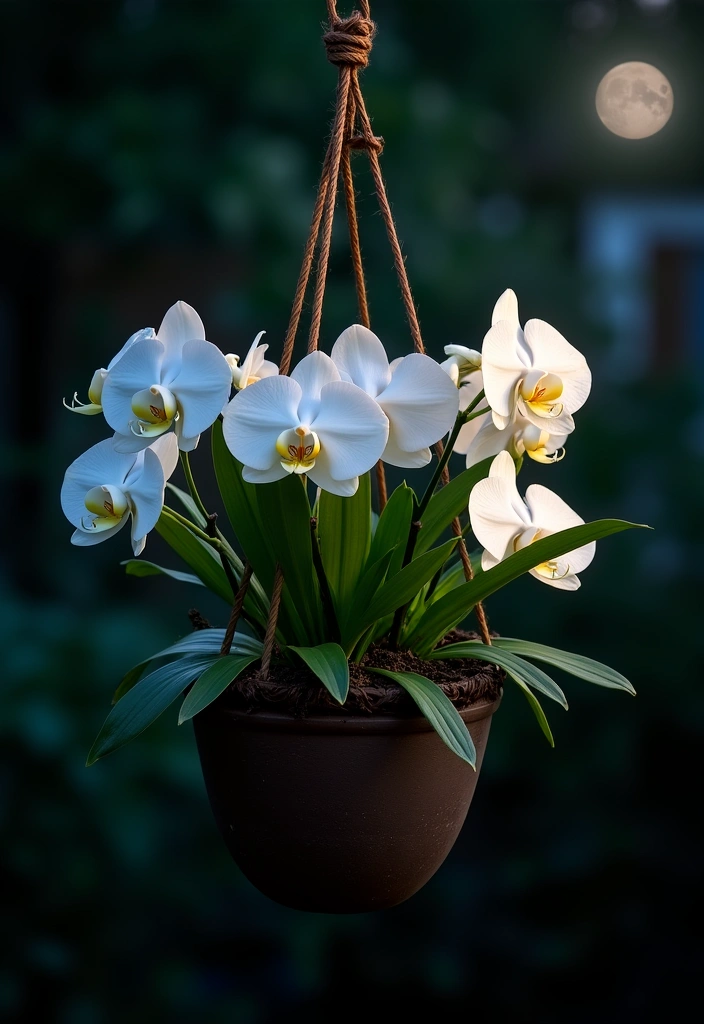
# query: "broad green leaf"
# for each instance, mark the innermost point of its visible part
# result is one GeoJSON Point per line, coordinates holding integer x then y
{"type": "Point", "coordinates": [516, 667]}
{"type": "Point", "coordinates": [393, 528]}
{"type": "Point", "coordinates": [439, 710]}
{"type": "Point", "coordinates": [240, 501]}
{"type": "Point", "coordinates": [212, 683]}
{"type": "Point", "coordinates": [189, 504]}
{"type": "Point", "coordinates": [445, 614]}
{"type": "Point", "coordinates": [537, 710]}
{"type": "Point", "coordinates": [403, 587]}
{"type": "Point", "coordinates": [202, 641]}
{"type": "Point", "coordinates": [283, 506]}
{"type": "Point", "coordinates": [140, 567]}
{"type": "Point", "coordinates": [449, 501]}
{"type": "Point", "coordinates": [575, 664]}
{"type": "Point", "coordinates": [200, 556]}
{"type": "Point", "coordinates": [371, 580]}
{"type": "Point", "coordinates": [329, 663]}
{"type": "Point", "coordinates": [344, 535]}
{"type": "Point", "coordinates": [145, 702]}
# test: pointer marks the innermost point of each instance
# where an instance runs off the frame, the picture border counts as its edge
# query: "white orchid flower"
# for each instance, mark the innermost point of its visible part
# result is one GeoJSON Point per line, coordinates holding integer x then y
{"type": "Point", "coordinates": [174, 379]}
{"type": "Point", "coordinates": [95, 389]}
{"type": "Point", "coordinates": [469, 392]}
{"type": "Point", "coordinates": [417, 396]}
{"type": "Point", "coordinates": [503, 523]}
{"type": "Point", "coordinates": [532, 370]}
{"type": "Point", "coordinates": [104, 488]}
{"type": "Point", "coordinates": [461, 362]}
{"type": "Point", "coordinates": [254, 367]}
{"type": "Point", "coordinates": [311, 422]}
{"type": "Point", "coordinates": [520, 437]}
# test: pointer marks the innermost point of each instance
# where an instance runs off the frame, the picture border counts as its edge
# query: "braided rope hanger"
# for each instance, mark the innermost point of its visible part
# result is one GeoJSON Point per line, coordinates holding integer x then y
{"type": "Point", "coordinates": [348, 43]}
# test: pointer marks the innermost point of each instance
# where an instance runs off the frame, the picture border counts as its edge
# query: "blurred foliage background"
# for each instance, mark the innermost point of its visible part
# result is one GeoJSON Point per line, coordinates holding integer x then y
{"type": "Point", "coordinates": [162, 149]}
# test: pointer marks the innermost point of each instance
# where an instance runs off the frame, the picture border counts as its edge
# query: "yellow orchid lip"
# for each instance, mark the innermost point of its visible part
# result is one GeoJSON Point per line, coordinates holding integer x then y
{"type": "Point", "coordinates": [107, 504]}
{"type": "Point", "coordinates": [156, 409]}
{"type": "Point", "coordinates": [540, 390]}
{"type": "Point", "coordinates": [551, 570]}
{"type": "Point", "coordinates": [298, 448]}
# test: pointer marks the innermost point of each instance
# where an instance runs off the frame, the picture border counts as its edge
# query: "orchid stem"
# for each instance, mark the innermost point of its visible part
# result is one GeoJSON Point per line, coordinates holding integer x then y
{"type": "Point", "coordinates": [188, 473]}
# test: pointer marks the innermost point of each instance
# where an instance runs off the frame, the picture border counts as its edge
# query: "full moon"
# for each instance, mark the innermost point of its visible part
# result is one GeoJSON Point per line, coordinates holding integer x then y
{"type": "Point", "coordinates": [634, 100]}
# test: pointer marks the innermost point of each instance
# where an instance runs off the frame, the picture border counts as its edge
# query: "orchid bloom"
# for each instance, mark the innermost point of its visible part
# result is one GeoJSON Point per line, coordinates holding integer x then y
{"type": "Point", "coordinates": [520, 437]}
{"type": "Point", "coordinates": [503, 523]}
{"type": "Point", "coordinates": [461, 362]}
{"type": "Point", "coordinates": [312, 422]}
{"type": "Point", "coordinates": [254, 367]}
{"type": "Point", "coordinates": [419, 399]}
{"type": "Point", "coordinates": [174, 379]}
{"type": "Point", "coordinates": [104, 488]}
{"type": "Point", "coordinates": [95, 388]}
{"type": "Point", "coordinates": [532, 370]}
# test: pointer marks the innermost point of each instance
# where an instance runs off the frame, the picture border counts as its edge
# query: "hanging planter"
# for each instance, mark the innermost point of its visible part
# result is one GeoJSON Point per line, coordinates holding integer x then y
{"type": "Point", "coordinates": [341, 719]}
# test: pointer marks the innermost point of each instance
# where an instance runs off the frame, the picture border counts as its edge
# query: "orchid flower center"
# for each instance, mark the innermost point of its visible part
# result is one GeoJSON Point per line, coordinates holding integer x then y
{"type": "Point", "coordinates": [155, 409]}
{"type": "Point", "coordinates": [554, 568]}
{"type": "Point", "coordinates": [298, 448]}
{"type": "Point", "coordinates": [540, 392]}
{"type": "Point", "coordinates": [533, 441]}
{"type": "Point", "coordinates": [107, 505]}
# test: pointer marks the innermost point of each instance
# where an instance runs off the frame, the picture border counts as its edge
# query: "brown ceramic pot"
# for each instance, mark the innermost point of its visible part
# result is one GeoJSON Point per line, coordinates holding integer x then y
{"type": "Point", "coordinates": [339, 814]}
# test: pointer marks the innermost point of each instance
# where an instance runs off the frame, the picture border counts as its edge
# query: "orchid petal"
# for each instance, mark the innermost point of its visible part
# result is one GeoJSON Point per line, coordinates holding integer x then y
{"type": "Point", "coordinates": [502, 367]}
{"type": "Point", "coordinates": [139, 368]}
{"type": "Point", "coordinates": [87, 538]}
{"type": "Point", "coordinates": [264, 476]}
{"type": "Point", "coordinates": [201, 387]}
{"type": "Point", "coordinates": [352, 429]}
{"type": "Point", "coordinates": [143, 335]}
{"type": "Point", "coordinates": [552, 353]}
{"type": "Point", "coordinates": [568, 582]}
{"type": "Point", "coordinates": [146, 492]}
{"type": "Point", "coordinates": [361, 359]}
{"type": "Point", "coordinates": [166, 450]}
{"type": "Point", "coordinates": [186, 444]}
{"type": "Point", "coordinates": [421, 402]}
{"type": "Point", "coordinates": [495, 522]}
{"type": "Point", "coordinates": [506, 308]}
{"type": "Point", "coordinates": [100, 465]}
{"type": "Point", "coordinates": [312, 374]}
{"type": "Point", "coordinates": [487, 441]}
{"type": "Point", "coordinates": [256, 416]}
{"type": "Point", "coordinates": [394, 456]}
{"type": "Point", "coordinates": [322, 477]}
{"type": "Point", "coordinates": [181, 324]}
{"type": "Point", "coordinates": [551, 514]}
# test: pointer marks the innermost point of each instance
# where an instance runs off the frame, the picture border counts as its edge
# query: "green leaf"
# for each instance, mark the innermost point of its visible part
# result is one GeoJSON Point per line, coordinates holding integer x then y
{"type": "Point", "coordinates": [202, 641]}
{"type": "Point", "coordinates": [537, 710]}
{"type": "Point", "coordinates": [449, 501]}
{"type": "Point", "coordinates": [330, 665]}
{"type": "Point", "coordinates": [140, 567]}
{"type": "Point", "coordinates": [194, 513]}
{"type": "Point", "coordinates": [240, 501]}
{"type": "Point", "coordinates": [439, 710]}
{"type": "Point", "coordinates": [372, 578]}
{"type": "Point", "coordinates": [516, 667]}
{"type": "Point", "coordinates": [195, 552]}
{"type": "Point", "coordinates": [344, 534]}
{"type": "Point", "coordinates": [393, 528]}
{"type": "Point", "coordinates": [284, 507]}
{"type": "Point", "coordinates": [574, 664]}
{"type": "Point", "coordinates": [444, 614]}
{"type": "Point", "coordinates": [212, 683]}
{"type": "Point", "coordinates": [145, 702]}
{"type": "Point", "coordinates": [401, 588]}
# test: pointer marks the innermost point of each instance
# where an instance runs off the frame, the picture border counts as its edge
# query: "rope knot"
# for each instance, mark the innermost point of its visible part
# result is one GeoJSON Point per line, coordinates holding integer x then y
{"type": "Point", "coordinates": [348, 41]}
{"type": "Point", "coordinates": [374, 142]}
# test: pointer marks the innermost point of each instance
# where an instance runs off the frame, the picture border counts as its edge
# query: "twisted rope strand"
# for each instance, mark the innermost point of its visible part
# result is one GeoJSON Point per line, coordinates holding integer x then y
{"type": "Point", "coordinates": [236, 609]}
{"type": "Point", "coordinates": [271, 622]}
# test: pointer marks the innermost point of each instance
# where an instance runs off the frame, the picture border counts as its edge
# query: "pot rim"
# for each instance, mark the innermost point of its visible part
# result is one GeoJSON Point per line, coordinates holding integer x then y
{"type": "Point", "coordinates": [351, 724]}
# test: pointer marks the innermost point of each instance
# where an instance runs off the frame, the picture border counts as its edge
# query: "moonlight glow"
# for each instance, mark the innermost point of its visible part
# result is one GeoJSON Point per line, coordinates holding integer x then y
{"type": "Point", "coordinates": [634, 100]}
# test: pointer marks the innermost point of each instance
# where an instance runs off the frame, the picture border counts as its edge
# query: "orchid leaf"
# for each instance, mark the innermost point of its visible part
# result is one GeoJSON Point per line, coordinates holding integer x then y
{"type": "Point", "coordinates": [444, 614]}
{"type": "Point", "coordinates": [574, 664]}
{"type": "Point", "coordinates": [212, 682]}
{"type": "Point", "coordinates": [201, 641]}
{"type": "Point", "coordinates": [516, 667]}
{"type": "Point", "coordinates": [403, 587]}
{"type": "Point", "coordinates": [141, 705]}
{"type": "Point", "coordinates": [329, 663]}
{"type": "Point", "coordinates": [344, 534]}
{"type": "Point", "coordinates": [197, 554]}
{"type": "Point", "coordinates": [371, 580]}
{"type": "Point", "coordinates": [393, 528]}
{"type": "Point", "coordinates": [447, 503]}
{"type": "Point", "coordinates": [141, 567]}
{"type": "Point", "coordinates": [536, 709]}
{"type": "Point", "coordinates": [189, 504]}
{"type": "Point", "coordinates": [439, 710]}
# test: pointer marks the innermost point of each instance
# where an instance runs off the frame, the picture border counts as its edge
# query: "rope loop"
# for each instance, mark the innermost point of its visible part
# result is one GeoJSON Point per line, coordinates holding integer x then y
{"type": "Point", "coordinates": [348, 41]}
{"type": "Point", "coordinates": [374, 142]}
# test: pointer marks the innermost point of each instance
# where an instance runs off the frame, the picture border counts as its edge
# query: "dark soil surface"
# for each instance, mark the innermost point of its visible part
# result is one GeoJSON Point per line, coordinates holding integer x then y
{"type": "Point", "coordinates": [465, 681]}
